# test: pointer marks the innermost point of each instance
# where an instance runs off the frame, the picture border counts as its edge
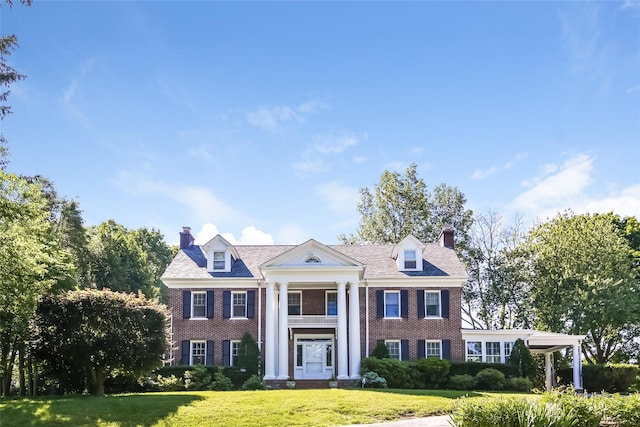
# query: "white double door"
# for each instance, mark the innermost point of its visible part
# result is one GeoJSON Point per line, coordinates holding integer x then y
{"type": "Point", "coordinates": [314, 358]}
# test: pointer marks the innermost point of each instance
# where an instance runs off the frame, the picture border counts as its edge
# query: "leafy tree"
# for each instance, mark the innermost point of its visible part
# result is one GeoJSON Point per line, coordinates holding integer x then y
{"type": "Point", "coordinates": [521, 358]}
{"type": "Point", "coordinates": [381, 351]}
{"type": "Point", "coordinates": [583, 281]}
{"type": "Point", "coordinates": [400, 205]}
{"type": "Point", "coordinates": [100, 333]}
{"type": "Point", "coordinates": [249, 354]}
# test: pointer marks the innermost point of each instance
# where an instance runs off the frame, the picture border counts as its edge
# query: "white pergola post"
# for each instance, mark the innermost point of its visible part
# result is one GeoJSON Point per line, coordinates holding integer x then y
{"type": "Point", "coordinates": [270, 334]}
{"type": "Point", "coordinates": [343, 367]}
{"type": "Point", "coordinates": [354, 331]}
{"type": "Point", "coordinates": [548, 367]}
{"type": "Point", "coordinates": [577, 367]}
{"type": "Point", "coordinates": [283, 336]}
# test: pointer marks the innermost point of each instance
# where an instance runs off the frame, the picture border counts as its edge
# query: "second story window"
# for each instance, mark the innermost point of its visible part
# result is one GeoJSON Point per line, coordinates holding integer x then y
{"type": "Point", "coordinates": [432, 304]}
{"type": "Point", "coordinates": [410, 261]}
{"type": "Point", "coordinates": [239, 302]}
{"type": "Point", "coordinates": [392, 304]}
{"type": "Point", "coordinates": [198, 304]}
{"type": "Point", "coordinates": [218, 260]}
{"type": "Point", "coordinates": [332, 303]}
{"type": "Point", "coordinates": [294, 302]}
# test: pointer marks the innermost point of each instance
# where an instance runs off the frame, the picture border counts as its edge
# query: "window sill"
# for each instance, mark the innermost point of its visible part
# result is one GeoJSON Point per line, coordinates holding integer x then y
{"type": "Point", "coordinates": [433, 317]}
{"type": "Point", "coordinates": [392, 318]}
{"type": "Point", "coordinates": [198, 318]}
{"type": "Point", "coordinates": [238, 318]}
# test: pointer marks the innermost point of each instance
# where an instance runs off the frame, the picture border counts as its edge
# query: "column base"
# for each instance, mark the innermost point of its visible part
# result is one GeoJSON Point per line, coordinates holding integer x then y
{"type": "Point", "coordinates": [283, 377]}
{"type": "Point", "coordinates": [269, 377]}
{"type": "Point", "coordinates": [343, 377]}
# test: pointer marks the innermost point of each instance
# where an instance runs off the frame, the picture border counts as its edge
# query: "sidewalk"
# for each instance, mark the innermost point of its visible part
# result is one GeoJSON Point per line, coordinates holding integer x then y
{"type": "Point", "coordinates": [437, 421]}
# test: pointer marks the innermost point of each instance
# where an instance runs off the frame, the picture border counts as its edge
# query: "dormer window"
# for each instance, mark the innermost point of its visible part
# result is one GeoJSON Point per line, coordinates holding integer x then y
{"type": "Point", "coordinates": [410, 262]}
{"type": "Point", "coordinates": [219, 260]}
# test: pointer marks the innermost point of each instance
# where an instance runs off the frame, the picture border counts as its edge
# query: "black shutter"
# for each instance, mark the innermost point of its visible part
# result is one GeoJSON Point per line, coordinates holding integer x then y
{"type": "Point", "coordinates": [186, 349]}
{"type": "Point", "coordinates": [209, 360]}
{"type": "Point", "coordinates": [209, 304]}
{"type": "Point", "coordinates": [446, 349]}
{"type": "Point", "coordinates": [444, 298]}
{"type": "Point", "coordinates": [421, 352]}
{"type": "Point", "coordinates": [420, 298]}
{"type": "Point", "coordinates": [404, 303]}
{"type": "Point", "coordinates": [379, 303]}
{"type": "Point", "coordinates": [226, 304]}
{"type": "Point", "coordinates": [404, 349]}
{"type": "Point", "coordinates": [186, 304]}
{"type": "Point", "coordinates": [226, 353]}
{"type": "Point", "coordinates": [251, 300]}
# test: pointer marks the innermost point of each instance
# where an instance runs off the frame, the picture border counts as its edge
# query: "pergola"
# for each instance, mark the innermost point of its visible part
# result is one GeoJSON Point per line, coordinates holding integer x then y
{"type": "Point", "coordinates": [538, 342]}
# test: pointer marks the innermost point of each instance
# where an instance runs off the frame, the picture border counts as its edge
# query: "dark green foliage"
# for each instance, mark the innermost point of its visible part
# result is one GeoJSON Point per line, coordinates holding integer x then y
{"type": "Point", "coordinates": [522, 359]}
{"type": "Point", "coordinates": [170, 383]}
{"type": "Point", "coordinates": [517, 384]}
{"type": "Point", "coordinates": [249, 355]}
{"type": "Point", "coordinates": [100, 333]}
{"type": "Point", "coordinates": [433, 372]}
{"type": "Point", "coordinates": [490, 379]}
{"type": "Point", "coordinates": [611, 378]}
{"type": "Point", "coordinates": [221, 382]}
{"type": "Point", "coordinates": [397, 373]}
{"type": "Point", "coordinates": [461, 382]}
{"type": "Point", "coordinates": [381, 351]}
{"type": "Point", "coordinates": [254, 382]}
{"type": "Point", "coordinates": [472, 368]}
{"type": "Point", "coordinates": [197, 378]}
{"type": "Point", "coordinates": [373, 380]}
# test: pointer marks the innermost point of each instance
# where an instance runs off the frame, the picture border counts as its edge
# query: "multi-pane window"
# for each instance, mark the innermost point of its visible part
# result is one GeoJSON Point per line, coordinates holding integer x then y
{"type": "Point", "coordinates": [392, 304]}
{"type": "Point", "coordinates": [474, 351]}
{"type": "Point", "coordinates": [198, 352]}
{"type": "Point", "coordinates": [410, 262]}
{"type": "Point", "coordinates": [218, 260]}
{"type": "Point", "coordinates": [294, 303]}
{"type": "Point", "coordinates": [239, 304]}
{"type": "Point", "coordinates": [332, 303]}
{"type": "Point", "coordinates": [393, 347]}
{"type": "Point", "coordinates": [432, 304]}
{"type": "Point", "coordinates": [198, 304]}
{"type": "Point", "coordinates": [433, 349]}
{"type": "Point", "coordinates": [508, 346]}
{"type": "Point", "coordinates": [492, 352]}
{"type": "Point", "coordinates": [235, 350]}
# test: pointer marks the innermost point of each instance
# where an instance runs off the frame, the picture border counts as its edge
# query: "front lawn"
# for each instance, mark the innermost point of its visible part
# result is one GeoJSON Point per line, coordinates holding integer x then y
{"type": "Point", "coordinates": [327, 407]}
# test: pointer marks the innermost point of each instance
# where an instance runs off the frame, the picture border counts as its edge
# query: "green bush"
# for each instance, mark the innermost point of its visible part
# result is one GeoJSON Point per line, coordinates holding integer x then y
{"type": "Point", "coordinates": [170, 383]}
{"type": "Point", "coordinates": [490, 379]}
{"type": "Point", "coordinates": [397, 374]}
{"type": "Point", "coordinates": [381, 351]}
{"type": "Point", "coordinates": [472, 368]}
{"type": "Point", "coordinates": [522, 359]}
{"type": "Point", "coordinates": [221, 382]}
{"type": "Point", "coordinates": [623, 410]}
{"type": "Point", "coordinates": [433, 371]}
{"type": "Point", "coordinates": [197, 378]}
{"type": "Point", "coordinates": [254, 382]}
{"type": "Point", "coordinates": [462, 382]}
{"type": "Point", "coordinates": [373, 380]}
{"type": "Point", "coordinates": [517, 384]}
{"type": "Point", "coordinates": [611, 378]}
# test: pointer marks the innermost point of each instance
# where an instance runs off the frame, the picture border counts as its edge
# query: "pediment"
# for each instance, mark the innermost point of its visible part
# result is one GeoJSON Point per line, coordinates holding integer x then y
{"type": "Point", "coordinates": [311, 254]}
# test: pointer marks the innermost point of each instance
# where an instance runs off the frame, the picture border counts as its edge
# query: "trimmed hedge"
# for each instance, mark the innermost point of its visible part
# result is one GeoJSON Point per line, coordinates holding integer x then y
{"type": "Point", "coordinates": [611, 378]}
{"type": "Point", "coordinates": [473, 368]}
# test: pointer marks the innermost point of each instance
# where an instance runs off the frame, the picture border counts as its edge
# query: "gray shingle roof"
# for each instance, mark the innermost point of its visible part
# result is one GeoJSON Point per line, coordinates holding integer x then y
{"type": "Point", "coordinates": [191, 263]}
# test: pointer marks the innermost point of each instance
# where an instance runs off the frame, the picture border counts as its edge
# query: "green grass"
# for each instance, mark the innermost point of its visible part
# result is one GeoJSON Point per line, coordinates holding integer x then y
{"type": "Point", "coordinates": [234, 408]}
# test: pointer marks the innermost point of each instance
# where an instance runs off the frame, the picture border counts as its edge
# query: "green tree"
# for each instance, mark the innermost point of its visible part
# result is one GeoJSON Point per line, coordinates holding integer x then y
{"type": "Point", "coordinates": [583, 281]}
{"type": "Point", "coordinates": [521, 358]}
{"type": "Point", "coordinates": [249, 354]}
{"type": "Point", "coordinates": [100, 333]}
{"type": "Point", "coordinates": [400, 205]}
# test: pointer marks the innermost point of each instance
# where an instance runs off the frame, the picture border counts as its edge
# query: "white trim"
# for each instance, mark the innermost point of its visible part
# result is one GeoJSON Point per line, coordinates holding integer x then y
{"type": "Point", "coordinates": [326, 302]}
{"type": "Point", "coordinates": [418, 282]}
{"type": "Point", "coordinates": [245, 305]}
{"type": "Point", "coordinates": [299, 292]}
{"type": "Point", "coordinates": [439, 315]}
{"type": "Point", "coordinates": [191, 343]}
{"type": "Point", "coordinates": [192, 316]}
{"type": "Point", "coordinates": [399, 342]}
{"type": "Point", "coordinates": [231, 343]}
{"type": "Point", "coordinates": [426, 353]}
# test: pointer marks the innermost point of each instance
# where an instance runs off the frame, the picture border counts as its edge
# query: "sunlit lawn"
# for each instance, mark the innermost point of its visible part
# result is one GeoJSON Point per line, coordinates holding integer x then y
{"type": "Point", "coordinates": [328, 407]}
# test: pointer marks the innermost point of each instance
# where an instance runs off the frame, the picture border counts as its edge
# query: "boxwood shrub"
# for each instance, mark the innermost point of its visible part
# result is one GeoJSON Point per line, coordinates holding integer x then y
{"type": "Point", "coordinates": [611, 378]}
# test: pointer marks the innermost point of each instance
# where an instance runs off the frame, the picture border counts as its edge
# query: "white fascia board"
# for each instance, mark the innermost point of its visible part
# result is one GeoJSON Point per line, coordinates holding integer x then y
{"type": "Point", "coordinates": [418, 282]}
{"type": "Point", "coordinates": [212, 283]}
{"type": "Point", "coordinates": [317, 276]}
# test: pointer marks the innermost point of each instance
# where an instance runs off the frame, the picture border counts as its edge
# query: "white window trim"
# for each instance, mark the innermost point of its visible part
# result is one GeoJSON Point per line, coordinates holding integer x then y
{"type": "Point", "coordinates": [399, 305]}
{"type": "Point", "coordinates": [191, 347]}
{"type": "Point", "coordinates": [405, 259]}
{"type": "Point", "coordinates": [233, 316]}
{"type": "Point", "coordinates": [294, 292]}
{"type": "Point", "coordinates": [326, 302]}
{"type": "Point", "coordinates": [439, 316]}
{"type": "Point", "coordinates": [486, 354]}
{"type": "Point", "coordinates": [399, 342]}
{"type": "Point", "coordinates": [426, 354]}
{"type": "Point", "coordinates": [483, 346]}
{"type": "Point", "coordinates": [466, 351]}
{"type": "Point", "coordinates": [227, 260]}
{"type": "Point", "coordinates": [231, 343]}
{"type": "Point", "coordinates": [193, 316]}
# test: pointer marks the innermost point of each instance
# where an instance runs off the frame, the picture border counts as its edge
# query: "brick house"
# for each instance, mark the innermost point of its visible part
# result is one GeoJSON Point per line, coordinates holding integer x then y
{"type": "Point", "coordinates": [316, 310]}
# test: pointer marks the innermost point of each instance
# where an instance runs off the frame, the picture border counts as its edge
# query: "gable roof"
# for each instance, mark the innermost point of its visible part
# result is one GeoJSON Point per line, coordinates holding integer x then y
{"type": "Point", "coordinates": [191, 263]}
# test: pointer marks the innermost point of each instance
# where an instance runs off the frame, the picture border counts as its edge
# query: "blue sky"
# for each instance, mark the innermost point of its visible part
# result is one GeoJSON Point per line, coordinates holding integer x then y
{"type": "Point", "coordinates": [262, 120]}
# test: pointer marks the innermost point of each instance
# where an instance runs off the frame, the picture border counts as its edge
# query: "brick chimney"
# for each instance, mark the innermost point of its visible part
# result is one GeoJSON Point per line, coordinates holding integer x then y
{"type": "Point", "coordinates": [446, 237]}
{"type": "Point", "coordinates": [186, 239]}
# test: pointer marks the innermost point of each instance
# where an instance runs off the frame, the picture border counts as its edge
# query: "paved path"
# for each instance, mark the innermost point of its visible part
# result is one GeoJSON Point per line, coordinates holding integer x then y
{"type": "Point", "coordinates": [437, 421]}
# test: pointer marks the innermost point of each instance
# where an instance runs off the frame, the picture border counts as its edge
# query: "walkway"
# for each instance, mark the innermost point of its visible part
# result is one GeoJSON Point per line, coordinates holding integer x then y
{"type": "Point", "coordinates": [437, 421]}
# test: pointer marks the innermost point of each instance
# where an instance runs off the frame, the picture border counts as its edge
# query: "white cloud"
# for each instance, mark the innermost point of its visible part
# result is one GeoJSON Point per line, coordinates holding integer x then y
{"type": "Point", "coordinates": [340, 199]}
{"type": "Point", "coordinates": [482, 174]}
{"type": "Point", "coordinates": [315, 159]}
{"type": "Point", "coordinates": [273, 118]}
{"type": "Point", "coordinates": [249, 236]}
{"type": "Point", "coordinates": [312, 106]}
{"type": "Point", "coordinates": [633, 89]}
{"type": "Point", "coordinates": [334, 143]}
{"type": "Point", "coordinates": [292, 234]}
{"type": "Point", "coordinates": [206, 233]}
{"type": "Point", "coordinates": [359, 159]}
{"type": "Point", "coordinates": [309, 167]}
{"type": "Point", "coordinates": [417, 150]}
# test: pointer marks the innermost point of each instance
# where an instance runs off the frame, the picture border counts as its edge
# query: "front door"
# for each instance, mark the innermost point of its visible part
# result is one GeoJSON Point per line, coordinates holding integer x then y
{"type": "Point", "coordinates": [314, 358]}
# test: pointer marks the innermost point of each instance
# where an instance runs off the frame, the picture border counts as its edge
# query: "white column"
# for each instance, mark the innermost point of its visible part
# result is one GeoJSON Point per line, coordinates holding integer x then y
{"type": "Point", "coordinates": [354, 331]}
{"type": "Point", "coordinates": [343, 373]}
{"type": "Point", "coordinates": [577, 367]}
{"type": "Point", "coordinates": [548, 368]}
{"type": "Point", "coordinates": [283, 336]}
{"type": "Point", "coordinates": [270, 334]}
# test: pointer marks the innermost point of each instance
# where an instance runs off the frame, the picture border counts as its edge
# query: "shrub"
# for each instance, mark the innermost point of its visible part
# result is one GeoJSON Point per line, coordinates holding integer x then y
{"type": "Point", "coordinates": [522, 359]}
{"type": "Point", "coordinates": [490, 379]}
{"type": "Point", "coordinates": [611, 378]}
{"type": "Point", "coordinates": [433, 371]}
{"type": "Point", "coordinates": [462, 382]}
{"type": "Point", "coordinates": [381, 351]}
{"type": "Point", "coordinates": [197, 378]}
{"type": "Point", "coordinates": [623, 410]}
{"type": "Point", "coordinates": [254, 382]}
{"type": "Point", "coordinates": [170, 383]}
{"type": "Point", "coordinates": [472, 368]}
{"type": "Point", "coordinates": [517, 384]}
{"type": "Point", "coordinates": [221, 382]}
{"type": "Point", "coordinates": [373, 380]}
{"type": "Point", "coordinates": [249, 354]}
{"type": "Point", "coordinates": [396, 373]}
